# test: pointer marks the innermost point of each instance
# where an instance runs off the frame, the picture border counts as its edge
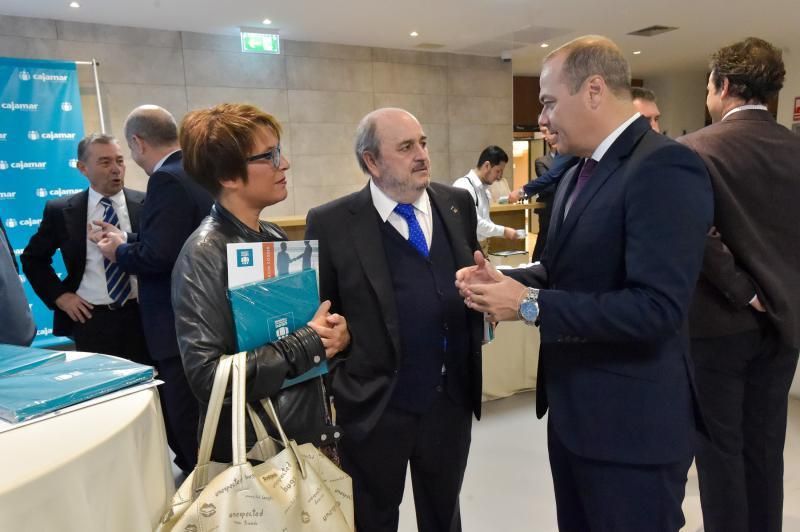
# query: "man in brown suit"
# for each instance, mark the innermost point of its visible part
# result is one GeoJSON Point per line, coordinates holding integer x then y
{"type": "Point", "coordinates": [745, 316]}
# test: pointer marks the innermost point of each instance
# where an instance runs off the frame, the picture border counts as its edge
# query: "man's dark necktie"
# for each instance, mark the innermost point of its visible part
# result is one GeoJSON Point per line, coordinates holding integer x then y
{"type": "Point", "coordinates": [415, 235]}
{"type": "Point", "coordinates": [583, 177]}
{"type": "Point", "coordinates": [117, 281]}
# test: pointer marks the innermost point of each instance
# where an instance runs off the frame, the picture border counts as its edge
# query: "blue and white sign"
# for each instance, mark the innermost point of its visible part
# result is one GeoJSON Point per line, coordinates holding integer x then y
{"type": "Point", "coordinates": [41, 123]}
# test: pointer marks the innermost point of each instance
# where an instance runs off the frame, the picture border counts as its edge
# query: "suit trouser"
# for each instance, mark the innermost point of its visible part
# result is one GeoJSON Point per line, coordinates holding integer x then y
{"type": "Point", "coordinates": [435, 444]}
{"type": "Point", "coordinates": [113, 332]}
{"type": "Point", "coordinates": [544, 227]}
{"type": "Point", "coordinates": [181, 412]}
{"type": "Point", "coordinates": [743, 383]}
{"type": "Point", "coordinates": [598, 496]}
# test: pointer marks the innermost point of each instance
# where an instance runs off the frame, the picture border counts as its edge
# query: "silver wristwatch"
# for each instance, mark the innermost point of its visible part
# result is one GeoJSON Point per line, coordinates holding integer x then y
{"type": "Point", "coordinates": [529, 307]}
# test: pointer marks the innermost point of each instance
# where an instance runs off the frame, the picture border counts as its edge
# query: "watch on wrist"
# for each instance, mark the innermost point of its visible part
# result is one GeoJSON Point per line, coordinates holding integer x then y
{"type": "Point", "coordinates": [529, 306]}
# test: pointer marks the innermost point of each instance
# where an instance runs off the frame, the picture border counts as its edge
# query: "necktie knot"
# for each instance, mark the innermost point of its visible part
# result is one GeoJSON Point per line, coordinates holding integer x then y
{"type": "Point", "coordinates": [588, 169]}
{"type": "Point", "coordinates": [415, 235]}
{"type": "Point", "coordinates": [105, 202]}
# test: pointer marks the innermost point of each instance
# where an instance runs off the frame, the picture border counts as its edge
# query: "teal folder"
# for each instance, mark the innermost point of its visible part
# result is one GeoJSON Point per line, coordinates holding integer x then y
{"type": "Point", "coordinates": [266, 311]}
{"type": "Point", "coordinates": [50, 387]}
{"type": "Point", "coordinates": [14, 358]}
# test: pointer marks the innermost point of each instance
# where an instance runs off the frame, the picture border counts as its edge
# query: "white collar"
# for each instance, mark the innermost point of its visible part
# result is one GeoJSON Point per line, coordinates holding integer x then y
{"type": "Point", "coordinates": [745, 107]}
{"type": "Point", "coordinates": [160, 163]}
{"type": "Point", "coordinates": [601, 150]}
{"type": "Point", "coordinates": [385, 205]}
{"type": "Point", "coordinates": [117, 199]}
{"type": "Point", "coordinates": [476, 180]}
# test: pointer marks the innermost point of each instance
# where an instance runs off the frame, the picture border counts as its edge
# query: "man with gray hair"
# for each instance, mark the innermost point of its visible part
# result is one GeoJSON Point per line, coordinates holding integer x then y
{"type": "Point", "coordinates": [611, 298]}
{"type": "Point", "coordinates": [411, 379]}
{"type": "Point", "coordinates": [175, 206]}
{"type": "Point", "coordinates": [96, 304]}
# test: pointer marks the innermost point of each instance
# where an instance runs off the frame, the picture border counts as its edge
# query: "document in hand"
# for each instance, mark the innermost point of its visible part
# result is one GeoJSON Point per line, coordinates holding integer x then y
{"type": "Point", "coordinates": [273, 290]}
{"type": "Point", "coordinates": [14, 358]}
{"type": "Point", "coordinates": [49, 387]}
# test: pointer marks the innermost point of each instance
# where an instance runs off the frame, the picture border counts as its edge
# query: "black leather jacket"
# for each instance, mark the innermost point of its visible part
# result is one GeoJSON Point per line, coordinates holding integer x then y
{"type": "Point", "coordinates": [205, 329]}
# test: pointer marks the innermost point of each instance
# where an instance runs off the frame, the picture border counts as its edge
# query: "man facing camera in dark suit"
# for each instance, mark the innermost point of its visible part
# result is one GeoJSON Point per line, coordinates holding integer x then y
{"type": "Point", "coordinates": [411, 379]}
{"type": "Point", "coordinates": [611, 298]}
{"type": "Point", "coordinates": [745, 315]}
{"type": "Point", "coordinates": [175, 206]}
{"type": "Point", "coordinates": [96, 304]}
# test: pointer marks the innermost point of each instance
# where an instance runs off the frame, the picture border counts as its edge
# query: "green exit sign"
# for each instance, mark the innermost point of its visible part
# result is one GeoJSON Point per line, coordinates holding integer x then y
{"type": "Point", "coordinates": [261, 43]}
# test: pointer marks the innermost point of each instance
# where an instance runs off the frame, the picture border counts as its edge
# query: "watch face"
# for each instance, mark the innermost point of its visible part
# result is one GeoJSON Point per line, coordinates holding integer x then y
{"type": "Point", "coordinates": [528, 310]}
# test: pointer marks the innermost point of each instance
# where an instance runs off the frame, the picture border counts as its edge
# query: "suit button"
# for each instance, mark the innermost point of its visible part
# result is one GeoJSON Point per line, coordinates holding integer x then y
{"type": "Point", "coordinates": [439, 388]}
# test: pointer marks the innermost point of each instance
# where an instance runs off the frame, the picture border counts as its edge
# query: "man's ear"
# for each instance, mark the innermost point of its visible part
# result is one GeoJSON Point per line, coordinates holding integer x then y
{"type": "Point", "coordinates": [82, 168]}
{"type": "Point", "coordinates": [596, 90]}
{"type": "Point", "coordinates": [371, 162]}
{"type": "Point", "coordinates": [724, 90]}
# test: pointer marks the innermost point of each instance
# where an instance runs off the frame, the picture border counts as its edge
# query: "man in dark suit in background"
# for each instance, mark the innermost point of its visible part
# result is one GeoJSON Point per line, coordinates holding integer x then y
{"type": "Point", "coordinates": [644, 100]}
{"type": "Point", "coordinates": [550, 168]}
{"type": "Point", "coordinates": [611, 297]}
{"type": "Point", "coordinates": [96, 304]}
{"type": "Point", "coordinates": [411, 379]}
{"type": "Point", "coordinates": [745, 316]}
{"type": "Point", "coordinates": [175, 206]}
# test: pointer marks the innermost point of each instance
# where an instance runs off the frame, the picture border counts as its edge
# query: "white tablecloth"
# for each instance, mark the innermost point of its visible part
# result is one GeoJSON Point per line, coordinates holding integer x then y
{"type": "Point", "coordinates": [103, 468]}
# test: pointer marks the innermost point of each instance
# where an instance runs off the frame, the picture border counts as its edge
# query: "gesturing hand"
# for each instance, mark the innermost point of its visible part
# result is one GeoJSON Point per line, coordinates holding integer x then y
{"type": "Point", "coordinates": [483, 272]}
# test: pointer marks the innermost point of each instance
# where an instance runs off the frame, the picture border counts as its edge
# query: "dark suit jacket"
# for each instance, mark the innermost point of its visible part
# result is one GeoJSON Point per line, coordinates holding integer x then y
{"type": "Point", "coordinates": [754, 172]}
{"type": "Point", "coordinates": [618, 274]}
{"type": "Point", "coordinates": [175, 206]}
{"type": "Point", "coordinates": [354, 275]}
{"type": "Point", "coordinates": [64, 227]}
{"type": "Point", "coordinates": [552, 168]}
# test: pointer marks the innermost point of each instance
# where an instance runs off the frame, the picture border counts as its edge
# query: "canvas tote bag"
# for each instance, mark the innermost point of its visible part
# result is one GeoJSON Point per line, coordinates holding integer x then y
{"type": "Point", "coordinates": [296, 489]}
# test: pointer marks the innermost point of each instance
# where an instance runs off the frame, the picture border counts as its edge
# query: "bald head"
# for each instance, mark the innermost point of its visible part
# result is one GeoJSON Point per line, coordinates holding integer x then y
{"type": "Point", "coordinates": [151, 133]}
{"type": "Point", "coordinates": [392, 148]}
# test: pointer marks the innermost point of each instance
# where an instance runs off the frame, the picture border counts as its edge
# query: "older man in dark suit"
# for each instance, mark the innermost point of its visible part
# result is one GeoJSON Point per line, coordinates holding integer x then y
{"type": "Point", "coordinates": [175, 206]}
{"type": "Point", "coordinates": [745, 316]}
{"type": "Point", "coordinates": [611, 298]}
{"type": "Point", "coordinates": [411, 379]}
{"type": "Point", "coordinates": [96, 304]}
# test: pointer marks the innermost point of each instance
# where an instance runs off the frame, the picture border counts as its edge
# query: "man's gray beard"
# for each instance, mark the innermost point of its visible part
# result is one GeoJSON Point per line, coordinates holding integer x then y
{"type": "Point", "coordinates": [397, 187]}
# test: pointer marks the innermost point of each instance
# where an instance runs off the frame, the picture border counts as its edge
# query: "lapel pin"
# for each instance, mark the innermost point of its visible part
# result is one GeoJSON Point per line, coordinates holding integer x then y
{"type": "Point", "coordinates": [454, 209]}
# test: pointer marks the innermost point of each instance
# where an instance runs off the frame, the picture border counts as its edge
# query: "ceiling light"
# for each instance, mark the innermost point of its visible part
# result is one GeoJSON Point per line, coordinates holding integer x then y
{"type": "Point", "coordinates": [414, 34]}
{"type": "Point", "coordinates": [266, 22]}
{"type": "Point", "coordinates": [637, 52]}
{"type": "Point", "coordinates": [74, 5]}
{"type": "Point", "coordinates": [544, 45]}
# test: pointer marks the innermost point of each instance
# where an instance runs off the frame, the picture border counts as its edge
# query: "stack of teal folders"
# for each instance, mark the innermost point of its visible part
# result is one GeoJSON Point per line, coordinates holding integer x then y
{"type": "Point", "coordinates": [14, 358]}
{"type": "Point", "coordinates": [62, 382]}
{"type": "Point", "coordinates": [266, 311]}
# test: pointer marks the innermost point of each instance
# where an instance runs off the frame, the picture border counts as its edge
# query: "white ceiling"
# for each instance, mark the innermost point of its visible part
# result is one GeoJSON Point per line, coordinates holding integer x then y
{"type": "Point", "coordinates": [463, 26]}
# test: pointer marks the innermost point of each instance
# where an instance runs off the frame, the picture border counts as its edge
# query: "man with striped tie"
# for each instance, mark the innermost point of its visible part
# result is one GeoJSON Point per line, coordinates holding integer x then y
{"type": "Point", "coordinates": [96, 303]}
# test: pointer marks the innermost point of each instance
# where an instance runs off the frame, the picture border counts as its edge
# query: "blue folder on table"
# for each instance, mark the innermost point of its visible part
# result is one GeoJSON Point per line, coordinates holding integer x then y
{"type": "Point", "coordinates": [49, 387]}
{"type": "Point", "coordinates": [266, 311]}
{"type": "Point", "coordinates": [14, 358]}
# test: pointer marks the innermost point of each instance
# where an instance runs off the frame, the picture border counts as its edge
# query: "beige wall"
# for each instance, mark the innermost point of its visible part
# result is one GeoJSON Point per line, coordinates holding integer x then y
{"type": "Point", "coordinates": [319, 92]}
{"type": "Point", "coordinates": [681, 98]}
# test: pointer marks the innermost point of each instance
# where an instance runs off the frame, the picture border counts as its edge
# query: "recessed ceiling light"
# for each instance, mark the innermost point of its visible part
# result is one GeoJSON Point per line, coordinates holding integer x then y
{"type": "Point", "coordinates": [74, 5]}
{"type": "Point", "coordinates": [266, 22]}
{"type": "Point", "coordinates": [544, 45]}
{"type": "Point", "coordinates": [637, 52]}
{"type": "Point", "coordinates": [414, 34]}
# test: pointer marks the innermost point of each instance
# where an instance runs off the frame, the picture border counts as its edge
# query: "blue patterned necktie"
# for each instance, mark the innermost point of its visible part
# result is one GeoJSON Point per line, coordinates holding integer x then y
{"type": "Point", "coordinates": [415, 235]}
{"type": "Point", "coordinates": [117, 281]}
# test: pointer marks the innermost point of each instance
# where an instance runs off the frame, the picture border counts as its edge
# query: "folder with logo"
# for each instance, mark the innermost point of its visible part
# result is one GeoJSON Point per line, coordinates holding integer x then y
{"type": "Point", "coordinates": [14, 358]}
{"type": "Point", "coordinates": [49, 387]}
{"type": "Point", "coordinates": [266, 310]}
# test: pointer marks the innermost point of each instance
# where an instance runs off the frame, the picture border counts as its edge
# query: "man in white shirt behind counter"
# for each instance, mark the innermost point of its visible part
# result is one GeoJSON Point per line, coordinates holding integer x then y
{"type": "Point", "coordinates": [489, 170]}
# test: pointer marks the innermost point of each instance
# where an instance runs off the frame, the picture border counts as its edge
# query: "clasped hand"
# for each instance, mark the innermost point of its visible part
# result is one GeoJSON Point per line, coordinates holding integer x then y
{"type": "Point", "coordinates": [487, 290]}
{"type": "Point", "coordinates": [331, 328]}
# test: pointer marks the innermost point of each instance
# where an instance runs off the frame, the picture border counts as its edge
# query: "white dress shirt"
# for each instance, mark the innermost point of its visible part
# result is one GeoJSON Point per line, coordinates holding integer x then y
{"type": "Point", "coordinates": [756, 106]}
{"type": "Point", "coordinates": [481, 198]}
{"type": "Point", "coordinates": [93, 287]}
{"type": "Point", "coordinates": [160, 163]}
{"type": "Point", "coordinates": [603, 147]}
{"type": "Point", "coordinates": [422, 209]}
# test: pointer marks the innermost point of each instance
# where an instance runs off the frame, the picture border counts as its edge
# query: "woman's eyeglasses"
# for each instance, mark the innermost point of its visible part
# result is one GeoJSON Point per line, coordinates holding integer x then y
{"type": "Point", "coordinates": [272, 154]}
